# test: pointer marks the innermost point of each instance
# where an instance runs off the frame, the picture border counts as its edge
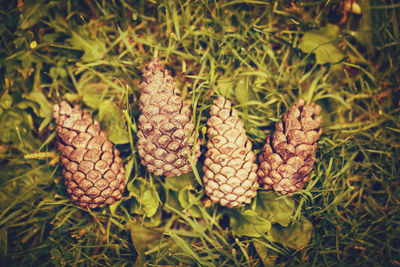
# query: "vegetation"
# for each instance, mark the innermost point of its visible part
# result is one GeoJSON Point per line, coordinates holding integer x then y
{"type": "Point", "coordinates": [261, 55]}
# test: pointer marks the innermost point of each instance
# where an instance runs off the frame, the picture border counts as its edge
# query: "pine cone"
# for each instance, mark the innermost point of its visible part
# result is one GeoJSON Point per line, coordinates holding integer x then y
{"type": "Point", "coordinates": [287, 157]}
{"type": "Point", "coordinates": [93, 170]}
{"type": "Point", "coordinates": [165, 128]}
{"type": "Point", "coordinates": [229, 168]}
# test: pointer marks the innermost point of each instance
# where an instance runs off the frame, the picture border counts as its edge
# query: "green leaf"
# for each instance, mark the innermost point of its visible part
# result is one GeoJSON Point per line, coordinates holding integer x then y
{"type": "Point", "coordinates": [189, 200]}
{"type": "Point", "coordinates": [74, 98]}
{"type": "Point", "coordinates": [135, 206]}
{"type": "Point", "coordinates": [242, 91]}
{"type": "Point", "coordinates": [111, 119]}
{"type": "Point", "coordinates": [56, 72]}
{"type": "Point", "coordinates": [267, 256]}
{"type": "Point", "coordinates": [154, 220]}
{"type": "Point", "coordinates": [171, 200]}
{"type": "Point", "coordinates": [273, 209]}
{"type": "Point", "coordinates": [13, 122]}
{"type": "Point", "coordinates": [51, 37]}
{"type": "Point", "coordinates": [176, 183]}
{"type": "Point", "coordinates": [146, 196]}
{"type": "Point", "coordinates": [322, 43]}
{"type": "Point", "coordinates": [225, 86]}
{"type": "Point", "coordinates": [92, 49]}
{"type": "Point", "coordinates": [33, 13]}
{"type": "Point", "coordinates": [38, 100]}
{"type": "Point", "coordinates": [294, 236]}
{"type": "Point", "coordinates": [150, 200]}
{"type": "Point", "coordinates": [6, 101]}
{"type": "Point", "coordinates": [249, 223]}
{"type": "Point", "coordinates": [92, 92]}
{"type": "Point", "coordinates": [45, 107]}
{"type": "Point", "coordinates": [27, 60]}
{"type": "Point", "coordinates": [26, 103]}
{"type": "Point", "coordinates": [142, 238]}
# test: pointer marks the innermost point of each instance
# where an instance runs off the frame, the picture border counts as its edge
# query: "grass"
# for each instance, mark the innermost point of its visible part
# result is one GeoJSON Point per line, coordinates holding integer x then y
{"type": "Point", "coordinates": [252, 52]}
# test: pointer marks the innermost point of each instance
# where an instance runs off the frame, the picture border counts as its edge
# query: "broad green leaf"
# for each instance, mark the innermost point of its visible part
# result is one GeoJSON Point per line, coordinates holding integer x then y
{"type": "Point", "coordinates": [249, 223]}
{"type": "Point", "coordinates": [13, 122]}
{"type": "Point", "coordinates": [189, 200]}
{"type": "Point", "coordinates": [73, 98]}
{"type": "Point", "coordinates": [150, 200]}
{"type": "Point", "coordinates": [93, 49]}
{"type": "Point", "coordinates": [267, 256]}
{"type": "Point", "coordinates": [6, 101]}
{"type": "Point", "coordinates": [225, 86]}
{"type": "Point", "coordinates": [273, 209]}
{"type": "Point", "coordinates": [111, 120]}
{"type": "Point", "coordinates": [322, 42]}
{"type": "Point", "coordinates": [27, 60]}
{"type": "Point", "coordinates": [294, 236]}
{"type": "Point", "coordinates": [135, 206]}
{"type": "Point", "coordinates": [113, 207]}
{"type": "Point", "coordinates": [91, 91]}
{"type": "Point", "coordinates": [154, 220]}
{"type": "Point", "coordinates": [56, 72]}
{"type": "Point", "coordinates": [242, 91]}
{"type": "Point", "coordinates": [45, 107]}
{"type": "Point", "coordinates": [143, 238]}
{"type": "Point", "coordinates": [37, 96]}
{"type": "Point", "coordinates": [171, 200]}
{"type": "Point", "coordinates": [176, 183]}
{"type": "Point", "coordinates": [33, 12]}
{"type": "Point", "coordinates": [51, 37]}
{"type": "Point", "coordinates": [26, 103]}
{"type": "Point", "coordinates": [146, 196]}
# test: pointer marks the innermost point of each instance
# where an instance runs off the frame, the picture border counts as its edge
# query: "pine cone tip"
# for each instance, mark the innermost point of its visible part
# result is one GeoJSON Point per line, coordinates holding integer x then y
{"type": "Point", "coordinates": [152, 67]}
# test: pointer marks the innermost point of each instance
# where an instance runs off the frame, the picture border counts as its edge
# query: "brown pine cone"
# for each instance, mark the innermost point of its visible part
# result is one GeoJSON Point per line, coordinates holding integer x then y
{"type": "Point", "coordinates": [165, 136]}
{"type": "Point", "coordinates": [93, 170]}
{"type": "Point", "coordinates": [287, 157]}
{"type": "Point", "coordinates": [229, 168]}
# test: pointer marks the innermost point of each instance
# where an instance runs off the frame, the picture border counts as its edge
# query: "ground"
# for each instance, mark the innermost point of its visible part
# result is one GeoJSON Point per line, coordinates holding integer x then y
{"type": "Point", "coordinates": [261, 55]}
